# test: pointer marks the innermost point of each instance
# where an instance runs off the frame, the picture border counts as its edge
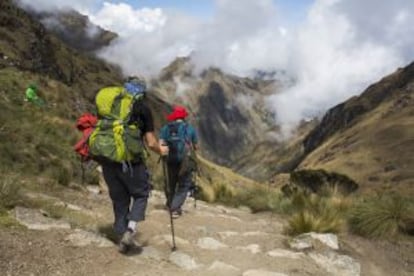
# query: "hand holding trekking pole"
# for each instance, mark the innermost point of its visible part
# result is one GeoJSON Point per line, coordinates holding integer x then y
{"type": "Point", "coordinates": [164, 150]}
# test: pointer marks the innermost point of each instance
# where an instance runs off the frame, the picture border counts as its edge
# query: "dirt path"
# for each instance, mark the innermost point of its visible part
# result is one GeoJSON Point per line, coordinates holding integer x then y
{"type": "Point", "coordinates": [211, 240]}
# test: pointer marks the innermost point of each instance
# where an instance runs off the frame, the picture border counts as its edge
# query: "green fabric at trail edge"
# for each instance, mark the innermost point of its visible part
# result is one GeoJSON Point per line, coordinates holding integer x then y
{"type": "Point", "coordinates": [31, 95]}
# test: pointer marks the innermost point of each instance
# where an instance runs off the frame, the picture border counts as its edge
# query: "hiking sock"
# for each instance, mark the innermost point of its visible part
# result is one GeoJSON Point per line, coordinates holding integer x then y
{"type": "Point", "coordinates": [132, 225]}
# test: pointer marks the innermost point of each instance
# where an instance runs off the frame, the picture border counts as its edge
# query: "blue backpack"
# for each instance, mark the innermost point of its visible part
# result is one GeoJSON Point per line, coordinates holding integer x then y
{"type": "Point", "coordinates": [178, 141]}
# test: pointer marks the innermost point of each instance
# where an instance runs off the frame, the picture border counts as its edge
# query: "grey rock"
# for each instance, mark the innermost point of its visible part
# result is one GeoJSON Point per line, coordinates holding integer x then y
{"type": "Point", "coordinates": [223, 209]}
{"type": "Point", "coordinates": [245, 209]}
{"type": "Point", "coordinates": [254, 233]}
{"type": "Point", "coordinates": [202, 230]}
{"type": "Point", "coordinates": [183, 261]}
{"type": "Point", "coordinates": [228, 217]}
{"type": "Point", "coordinates": [68, 206]}
{"type": "Point", "coordinates": [151, 253]}
{"type": "Point", "coordinates": [82, 238]}
{"type": "Point", "coordinates": [338, 265]}
{"type": "Point", "coordinates": [282, 253]}
{"type": "Point", "coordinates": [226, 234]}
{"type": "Point", "coordinates": [308, 241]}
{"type": "Point", "coordinates": [95, 190]}
{"type": "Point", "coordinates": [210, 243]}
{"type": "Point", "coordinates": [300, 244]}
{"type": "Point", "coordinates": [163, 239]}
{"type": "Point", "coordinates": [260, 272]}
{"type": "Point", "coordinates": [35, 220]}
{"type": "Point", "coordinates": [252, 248]}
{"type": "Point", "coordinates": [221, 267]}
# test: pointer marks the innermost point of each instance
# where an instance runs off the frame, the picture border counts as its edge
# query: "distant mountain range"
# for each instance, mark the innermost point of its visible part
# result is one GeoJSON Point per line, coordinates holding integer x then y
{"type": "Point", "coordinates": [370, 138]}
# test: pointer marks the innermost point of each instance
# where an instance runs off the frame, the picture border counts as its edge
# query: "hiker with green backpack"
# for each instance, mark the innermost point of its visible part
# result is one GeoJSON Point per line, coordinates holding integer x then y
{"type": "Point", "coordinates": [181, 138]}
{"type": "Point", "coordinates": [125, 124]}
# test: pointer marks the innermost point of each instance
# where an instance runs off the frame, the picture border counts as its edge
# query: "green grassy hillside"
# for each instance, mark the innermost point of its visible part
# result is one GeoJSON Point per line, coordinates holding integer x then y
{"type": "Point", "coordinates": [370, 138]}
{"type": "Point", "coordinates": [37, 142]}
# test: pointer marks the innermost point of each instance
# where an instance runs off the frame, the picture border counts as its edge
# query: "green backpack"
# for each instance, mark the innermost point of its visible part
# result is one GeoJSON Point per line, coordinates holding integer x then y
{"type": "Point", "coordinates": [114, 139]}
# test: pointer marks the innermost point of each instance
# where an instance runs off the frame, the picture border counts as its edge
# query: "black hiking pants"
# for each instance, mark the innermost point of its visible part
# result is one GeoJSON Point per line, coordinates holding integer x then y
{"type": "Point", "coordinates": [129, 189]}
{"type": "Point", "coordinates": [180, 185]}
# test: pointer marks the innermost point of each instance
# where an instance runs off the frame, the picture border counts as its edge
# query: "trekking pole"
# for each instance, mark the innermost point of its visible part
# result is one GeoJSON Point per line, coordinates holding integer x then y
{"type": "Point", "coordinates": [195, 191]}
{"type": "Point", "coordinates": [169, 198]}
{"type": "Point", "coordinates": [82, 173]}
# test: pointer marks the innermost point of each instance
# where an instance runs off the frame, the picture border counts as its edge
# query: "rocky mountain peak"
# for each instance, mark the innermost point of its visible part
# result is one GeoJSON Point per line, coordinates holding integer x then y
{"type": "Point", "coordinates": [230, 112]}
{"type": "Point", "coordinates": [76, 30]}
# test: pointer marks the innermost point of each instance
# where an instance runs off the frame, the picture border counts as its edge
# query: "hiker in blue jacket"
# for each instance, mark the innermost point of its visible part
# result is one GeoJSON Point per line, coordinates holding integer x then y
{"type": "Point", "coordinates": [181, 138]}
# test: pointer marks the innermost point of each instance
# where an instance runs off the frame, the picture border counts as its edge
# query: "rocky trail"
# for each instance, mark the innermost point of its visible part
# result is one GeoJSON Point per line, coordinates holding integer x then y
{"type": "Point", "coordinates": [211, 240]}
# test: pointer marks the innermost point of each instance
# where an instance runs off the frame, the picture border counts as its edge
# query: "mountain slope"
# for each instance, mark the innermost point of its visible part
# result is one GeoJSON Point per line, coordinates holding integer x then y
{"type": "Point", "coordinates": [37, 142]}
{"type": "Point", "coordinates": [75, 30]}
{"type": "Point", "coordinates": [25, 44]}
{"type": "Point", "coordinates": [235, 124]}
{"type": "Point", "coordinates": [371, 137]}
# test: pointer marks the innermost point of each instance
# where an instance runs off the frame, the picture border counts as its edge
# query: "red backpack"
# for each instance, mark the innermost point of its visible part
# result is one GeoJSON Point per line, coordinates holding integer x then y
{"type": "Point", "coordinates": [86, 124]}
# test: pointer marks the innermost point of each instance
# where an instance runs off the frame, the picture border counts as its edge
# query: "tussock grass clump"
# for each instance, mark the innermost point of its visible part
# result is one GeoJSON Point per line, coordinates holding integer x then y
{"type": "Point", "coordinates": [314, 213]}
{"type": "Point", "coordinates": [261, 199]}
{"type": "Point", "coordinates": [216, 192]}
{"type": "Point", "coordinates": [257, 198]}
{"type": "Point", "coordinates": [325, 221]}
{"type": "Point", "coordinates": [10, 194]}
{"type": "Point", "coordinates": [206, 193]}
{"type": "Point", "coordinates": [382, 216]}
{"type": "Point", "coordinates": [223, 192]}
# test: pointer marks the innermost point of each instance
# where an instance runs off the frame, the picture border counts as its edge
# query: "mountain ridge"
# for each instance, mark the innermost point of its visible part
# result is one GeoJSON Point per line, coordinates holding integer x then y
{"type": "Point", "coordinates": [369, 137]}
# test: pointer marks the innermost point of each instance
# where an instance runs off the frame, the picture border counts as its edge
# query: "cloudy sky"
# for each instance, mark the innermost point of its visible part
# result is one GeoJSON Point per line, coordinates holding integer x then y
{"type": "Point", "coordinates": [332, 48]}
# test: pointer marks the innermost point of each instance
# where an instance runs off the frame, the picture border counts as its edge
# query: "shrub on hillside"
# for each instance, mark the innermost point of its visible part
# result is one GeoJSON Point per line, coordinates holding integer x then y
{"type": "Point", "coordinates": [382, 216]}
{"type": "Point", "coordinates": [321, 182]}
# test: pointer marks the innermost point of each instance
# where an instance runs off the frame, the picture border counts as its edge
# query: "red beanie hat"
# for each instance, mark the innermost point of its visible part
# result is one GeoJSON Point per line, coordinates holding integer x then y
{"type": "Point", "coordinates": [179, 112]}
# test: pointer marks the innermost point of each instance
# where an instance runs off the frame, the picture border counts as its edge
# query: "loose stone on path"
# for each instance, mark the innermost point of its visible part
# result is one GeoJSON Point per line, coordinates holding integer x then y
{"type": "Point", "coordinates": [282, 253]}
{"type": "Point", "coordinates": [221, 268]}
{"type": "Point", "coordinates": [183, 261]}
{"type": "Point", "coordinates": [338, 265]}
{"type": "Point", "coordinates": [82, 238]}
{"type": "Point", "coordinates": [258, 272]}
{"type": "Point", "coordinates": [210, 243]}
{"type": "Point", "coordinates": [252, 248]}
{"type": "Point", "coordinates": [35, 220]}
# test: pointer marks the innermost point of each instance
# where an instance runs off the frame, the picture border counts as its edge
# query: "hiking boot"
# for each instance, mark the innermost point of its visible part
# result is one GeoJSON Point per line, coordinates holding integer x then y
{"type": "Point", "coordinates": [176, 214]}
{"type": "Point", "coordinates": [127, 241]}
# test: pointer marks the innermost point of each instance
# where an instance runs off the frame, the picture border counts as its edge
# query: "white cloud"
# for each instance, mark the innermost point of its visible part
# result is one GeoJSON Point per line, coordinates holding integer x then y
{"type": "Point", "coordinates": [339, 48]}
{"type": "Point", "coordinates": [337, 56]}
{"type": "Point", "coordinates": [234, 38]}
{"type": "Point", "coordinates": [124, 20]}
{"type": "Point", "coordinates": [145, 52]}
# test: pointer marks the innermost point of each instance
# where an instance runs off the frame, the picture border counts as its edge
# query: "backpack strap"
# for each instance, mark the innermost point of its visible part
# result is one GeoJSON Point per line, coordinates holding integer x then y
{"type": "Point", "coordinates": [116, 105]}
{"type": "Point", "coordinates": [187, 138]}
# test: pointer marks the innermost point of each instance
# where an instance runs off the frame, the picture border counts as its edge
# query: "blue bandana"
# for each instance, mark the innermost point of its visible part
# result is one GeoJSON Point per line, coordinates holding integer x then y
{"type": "Point", "coordinates": [134, 89]}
